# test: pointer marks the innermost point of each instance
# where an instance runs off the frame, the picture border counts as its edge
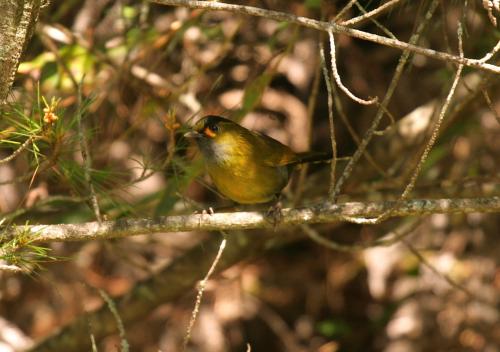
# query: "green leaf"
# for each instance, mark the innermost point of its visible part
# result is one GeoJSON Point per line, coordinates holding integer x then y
{"type": "Point", "coordinates": [313, 4]}
{"type": "Point", "coordinates": [333, 328]}
{"type": "Point", "coordinates": [253, 94]}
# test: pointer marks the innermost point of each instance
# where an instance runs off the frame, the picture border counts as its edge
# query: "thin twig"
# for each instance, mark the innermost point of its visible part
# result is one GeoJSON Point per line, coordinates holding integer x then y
{"type": "Point", "coordinates": [380, 112]}
{"type": "Point", "coordinates": [431, 267]}
{"type": "Point", "coordinates": [491, 53]}
{"type": "Point", "coordinates": [342, 12]}
{"type": "Point", "coordinates": [199, 296]}
{"type": "Point", "coordinates": [26, 177]}
{"type": "Point", "coordinates": [377, 23]}
{"type": "Point", "coordinates": [371, 14]}
{"type": "Point", "coordinates": [311, 106]}
{"type": "Point", "coordinates": [84, 148]}
{"type": "Point", "coordinates": [336, 75]}
{"type": "Point", "coordinates": [124, 346]}
{"type": "Point", "coordinates": [490, 104]}
{"type": "Point", "coordinates": [87, 161]}
{"type": "Point", "coordinates": [330, 120]}
{"type": "Point", "coordinates": [340, 109]}
{"type": "Point", "coordinates": [278, 325]}
{"type": "Point", "coordinates": [49, 44]}
{"type": "Point", "coordinates": [396, 235]}
{"type": "Point", "coordinates": [19, 150]}
{"type": "Point", "coordinates": [39, 204]}
{"type": "Point", "coordinates": [437, 126]}
{"type": "Point", "coordinates": [329, 26]}
{"type": "Point", "coordinates": [432, 140]}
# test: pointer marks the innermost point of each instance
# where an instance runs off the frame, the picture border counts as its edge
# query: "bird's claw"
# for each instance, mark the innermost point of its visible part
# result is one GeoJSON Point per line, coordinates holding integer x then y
{"type": "Point", "coordinates": [210, 211]}
{"type": "Point", "coordinates": [274, 214]}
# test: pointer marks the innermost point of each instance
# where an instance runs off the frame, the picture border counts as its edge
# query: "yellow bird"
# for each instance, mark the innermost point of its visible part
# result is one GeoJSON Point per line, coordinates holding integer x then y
{"type": "Point", "coordinates": [246, 166]}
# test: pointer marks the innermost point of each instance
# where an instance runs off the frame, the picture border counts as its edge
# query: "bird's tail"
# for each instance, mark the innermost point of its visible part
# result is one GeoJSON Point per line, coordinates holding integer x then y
{"type": "Point", "coordinates": [312, 157]}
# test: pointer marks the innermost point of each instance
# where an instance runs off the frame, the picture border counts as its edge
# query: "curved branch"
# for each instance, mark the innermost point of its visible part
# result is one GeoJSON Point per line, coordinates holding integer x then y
{"type": "Point", "coordinates": [320, 213]}
{"type": "Point", "coordinates": [329, 26]}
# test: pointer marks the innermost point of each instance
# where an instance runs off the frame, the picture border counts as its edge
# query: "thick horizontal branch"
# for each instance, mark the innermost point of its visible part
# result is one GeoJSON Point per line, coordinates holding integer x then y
{"type": "Point", "coordinates": [179, 276]}
{"type": "Point", "coordinates": [330, 26]}
{"type": "Point", "coordinates": [321, 213]}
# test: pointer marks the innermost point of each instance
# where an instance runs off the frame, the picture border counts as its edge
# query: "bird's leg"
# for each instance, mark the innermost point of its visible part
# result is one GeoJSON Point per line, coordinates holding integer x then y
{"type": "Point", "coordinates": [209, 211]}
{"type": "Point", "coordinates": [212, 211]}
{"type": "Point", "coordinates": [203, 213]}
{"type": "Point", "coordinates": [274, 212]}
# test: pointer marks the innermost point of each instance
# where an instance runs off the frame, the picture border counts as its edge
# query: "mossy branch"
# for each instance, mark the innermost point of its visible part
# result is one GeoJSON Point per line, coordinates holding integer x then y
{"type": "Point", "coordinates": [180, 276]}
{"type": "Point", "coordinates": [320, 213]}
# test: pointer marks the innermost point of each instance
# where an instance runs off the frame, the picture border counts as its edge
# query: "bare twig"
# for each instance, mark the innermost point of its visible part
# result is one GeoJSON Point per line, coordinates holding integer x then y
{"type": "Point", "coordinates": [432, 140]}
{"type": "Point", "coordinates": [84, 148]}
{"type": "Point", "coordinates": [489, 5]}
{"type": "Point", "coordinates": [390, 91]}
{"type": "Point", "coordinates": [336, 75]}
{"type": "Point", "coordinates": [437, 126]}
{"type": "Point", "coordinates": [19, 150]}
{"type": "Point", "coordinates": [278, 325]}
{"type": "Point", "coordinates": [342, 12]}
{"type": "Point", "coordinates": [446, 277]}
{"type": "Point", "coordinates": [49, 44]}
{"type": "Point", "coordinates": [491, 53]}
{"type": "Point", "coordinates": [199, 296]}
{"type": "Point", "coordinates": [124, 346]}
{"type": "Point", "coordinates": [311, 106]}
{"type": "Point", "coordinates": [371, 14]}
{"type": "Point", "coordinates": [26, 177]}
{"type": "Point", "coordinates": [396, 235]}
{"type": "Point", "coordinates": [377, 23]}
{"type": "Point", "coordinates": [352, 131]}
{"type": "Point", "coordinates": [87, 161]}
{"type": "Point", "coordinates": [330, 120]}
{"type": "Point", "coordinates": [490, 104]}
{"type": "Point", "coordinates": [329, 26]}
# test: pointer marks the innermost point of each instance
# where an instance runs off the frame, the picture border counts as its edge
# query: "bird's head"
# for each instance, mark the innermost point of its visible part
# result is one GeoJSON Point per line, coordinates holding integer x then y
{"type": "Point", "coordinates": [217, 136]}
{"type": "Point", "coordinates": [209, 127]}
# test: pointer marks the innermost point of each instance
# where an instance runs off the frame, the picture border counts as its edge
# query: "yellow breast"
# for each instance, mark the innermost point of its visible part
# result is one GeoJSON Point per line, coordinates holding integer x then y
{"type": "Point", "coordinates": [248, 183]}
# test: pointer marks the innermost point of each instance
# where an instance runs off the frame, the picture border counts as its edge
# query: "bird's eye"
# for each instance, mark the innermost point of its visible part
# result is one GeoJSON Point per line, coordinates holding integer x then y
{"type": "Point", "coordinates": [214, 128]}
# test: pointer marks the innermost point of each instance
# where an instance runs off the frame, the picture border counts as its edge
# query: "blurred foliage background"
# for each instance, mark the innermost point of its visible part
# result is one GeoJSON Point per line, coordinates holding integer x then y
{"type": "Point", "coordinates": [131, 77]}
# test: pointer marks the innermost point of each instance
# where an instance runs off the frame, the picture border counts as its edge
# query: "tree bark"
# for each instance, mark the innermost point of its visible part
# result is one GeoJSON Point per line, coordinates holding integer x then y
{"type": "Point", "coordinates": [17, 22]}
{"type": "Point", "coordinates": [356, 212]}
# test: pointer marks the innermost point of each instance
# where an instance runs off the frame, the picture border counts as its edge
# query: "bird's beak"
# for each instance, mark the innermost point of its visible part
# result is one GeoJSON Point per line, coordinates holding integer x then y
{"type": "Point", "coordinates": [192, 134]}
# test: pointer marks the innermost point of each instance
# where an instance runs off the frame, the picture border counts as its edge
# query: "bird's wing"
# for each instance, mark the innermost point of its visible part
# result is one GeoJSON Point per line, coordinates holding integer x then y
{"type": "Point", "coordinates": [272, 152]}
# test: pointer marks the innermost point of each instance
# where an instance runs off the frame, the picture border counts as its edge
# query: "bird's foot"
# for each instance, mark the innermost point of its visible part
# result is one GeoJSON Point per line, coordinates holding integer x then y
{"type": "Point", "coordinates": [274, 214]}
{"type": "Point", "coordinates": [210, 211]}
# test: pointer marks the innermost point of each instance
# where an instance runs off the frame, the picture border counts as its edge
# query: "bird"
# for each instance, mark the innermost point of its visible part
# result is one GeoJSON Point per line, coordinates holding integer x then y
{"type": "Point", "coordinates": [246, 166]}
